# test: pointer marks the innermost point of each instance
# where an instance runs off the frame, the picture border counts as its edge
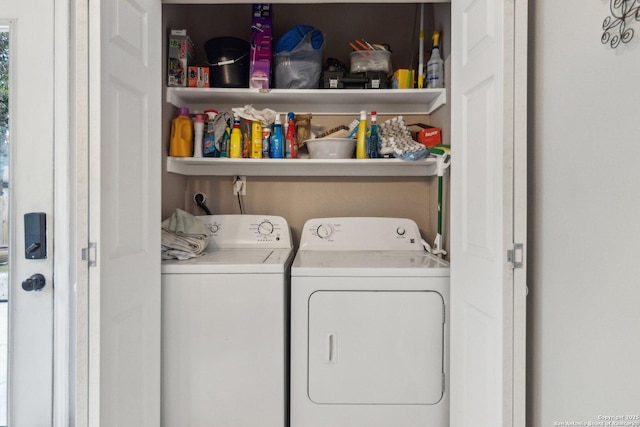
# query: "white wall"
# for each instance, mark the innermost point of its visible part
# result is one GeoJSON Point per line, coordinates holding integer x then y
{"type": "Point", "coordinates": [584, 230]}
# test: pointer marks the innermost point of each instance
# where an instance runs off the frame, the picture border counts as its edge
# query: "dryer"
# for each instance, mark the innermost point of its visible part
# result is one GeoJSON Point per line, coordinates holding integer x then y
{"type": "Point", "coordinates": [224, 326]}
{"type": "Point", "coordinates": [369, 329]}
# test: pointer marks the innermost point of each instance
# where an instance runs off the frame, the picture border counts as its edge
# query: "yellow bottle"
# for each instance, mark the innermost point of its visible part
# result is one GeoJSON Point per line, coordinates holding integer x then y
{"type": "Point", "coordinates": [361, 142]}
{"type": "Point", "coordinates": [181, 144]}
{"type": "Point", "coordinates": [235, 143]}
{"type": "Point", "coordinates": [256, 140]}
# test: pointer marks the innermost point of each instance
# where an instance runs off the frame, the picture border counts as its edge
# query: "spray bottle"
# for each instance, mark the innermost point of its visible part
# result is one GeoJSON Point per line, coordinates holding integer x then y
{"type": "Point", "coordinates": [361, 136]}
{"type": "Point", "coordinates": [209, 140]}
{"type": "Point", "coordinates": [276, 149]}
{"type": "Point", "coordinates": [291, 146]}
{"type": "Point", "coordinates": [435, 66]}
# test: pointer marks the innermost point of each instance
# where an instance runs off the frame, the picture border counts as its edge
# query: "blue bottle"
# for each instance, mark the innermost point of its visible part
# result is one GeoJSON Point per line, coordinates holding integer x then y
{"type": "Point", "coordinates": [374, 139]}
{"type": "Point", "coordinates": [276, 150]}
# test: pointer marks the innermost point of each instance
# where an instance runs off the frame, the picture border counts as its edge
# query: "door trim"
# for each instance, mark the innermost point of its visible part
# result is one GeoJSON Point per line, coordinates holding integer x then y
{"type": "Point", "coordinates": [62, 223]}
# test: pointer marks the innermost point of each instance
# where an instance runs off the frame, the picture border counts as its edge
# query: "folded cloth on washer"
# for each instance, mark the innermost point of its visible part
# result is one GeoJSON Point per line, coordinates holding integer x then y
{"type": "Point", "coordinates": [184, 224]}
{"type": "Point", "coordinates": [183, 236]}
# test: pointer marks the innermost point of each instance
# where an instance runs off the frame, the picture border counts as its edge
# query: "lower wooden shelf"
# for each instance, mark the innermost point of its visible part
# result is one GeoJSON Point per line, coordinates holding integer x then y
{"type": "Point", "coordinates": [300, 167]}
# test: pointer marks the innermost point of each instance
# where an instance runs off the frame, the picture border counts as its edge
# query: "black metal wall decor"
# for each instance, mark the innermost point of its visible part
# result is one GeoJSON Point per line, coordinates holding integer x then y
{"type": "Point", "coordinates": [615, 28]}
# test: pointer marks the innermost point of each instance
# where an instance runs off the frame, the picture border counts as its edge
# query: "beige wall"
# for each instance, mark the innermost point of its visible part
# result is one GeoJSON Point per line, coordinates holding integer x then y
{"type": "Point", "coordinates": [299, 199]}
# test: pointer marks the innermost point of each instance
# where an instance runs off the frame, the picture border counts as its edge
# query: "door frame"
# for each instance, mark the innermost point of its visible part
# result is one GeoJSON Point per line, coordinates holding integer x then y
{"type": "Point", "coordinates": [64, 223]}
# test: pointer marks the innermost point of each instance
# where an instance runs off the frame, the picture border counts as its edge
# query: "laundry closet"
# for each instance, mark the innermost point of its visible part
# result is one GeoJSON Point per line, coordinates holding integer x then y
{"type": "Point", "coordinates": [481, 112]}
{"type": "Point", "coordinates": [302, 190]}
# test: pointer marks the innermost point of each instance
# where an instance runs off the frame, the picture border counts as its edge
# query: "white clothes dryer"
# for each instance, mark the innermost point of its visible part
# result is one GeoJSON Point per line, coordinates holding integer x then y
{"type": "Point", "coordinates": [224, 327]}
{"type": "Point", "coordinates": [369, 330]}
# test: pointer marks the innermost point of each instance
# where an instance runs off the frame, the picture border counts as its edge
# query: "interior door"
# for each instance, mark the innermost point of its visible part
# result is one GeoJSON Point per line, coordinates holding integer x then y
{"type": "Point", "coordinates": [30, 189]}
{"type": "Point", "coordinates": [488, 204]}
{"type": "Point", "coordinates": [124, 212]}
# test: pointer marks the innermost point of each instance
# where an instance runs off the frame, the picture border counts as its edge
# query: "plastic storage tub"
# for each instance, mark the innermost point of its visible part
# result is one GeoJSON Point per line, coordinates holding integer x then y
{"type": "Point", "coordinates": [370, 60]}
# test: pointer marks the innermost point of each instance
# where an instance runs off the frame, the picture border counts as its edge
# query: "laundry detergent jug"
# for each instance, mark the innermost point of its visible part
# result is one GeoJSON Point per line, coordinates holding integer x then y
{"type": "Point", "coordinates": [181, 135]}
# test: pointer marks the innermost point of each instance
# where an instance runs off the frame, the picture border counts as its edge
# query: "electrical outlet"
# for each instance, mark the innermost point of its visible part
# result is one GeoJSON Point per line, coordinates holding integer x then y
{"type": "Point", "coordinates": [240, 185]}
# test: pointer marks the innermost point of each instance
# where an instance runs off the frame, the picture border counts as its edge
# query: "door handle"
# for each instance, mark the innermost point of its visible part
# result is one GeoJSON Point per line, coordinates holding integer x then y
{"type": "Point", "coordinates": [34, 283]}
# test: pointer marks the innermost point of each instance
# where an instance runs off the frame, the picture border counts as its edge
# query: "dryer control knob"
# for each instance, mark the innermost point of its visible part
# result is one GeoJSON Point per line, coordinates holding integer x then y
{"type": "Point", "coordinates": [400, 231]}
{"type": "Point", "coordinates": [324, 231]}
{"type": "Point", "coordinates": [265, 227]}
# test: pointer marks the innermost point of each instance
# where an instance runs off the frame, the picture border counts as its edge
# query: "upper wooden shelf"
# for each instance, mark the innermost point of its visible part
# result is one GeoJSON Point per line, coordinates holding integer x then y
{"type": "Point", "coordinates": [315, 101]}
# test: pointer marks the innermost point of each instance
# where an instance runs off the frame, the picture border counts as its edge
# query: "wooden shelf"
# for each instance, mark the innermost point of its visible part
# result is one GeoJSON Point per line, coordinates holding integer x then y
{"type": "Point", "coordinates": [315, 101]}
{"type": "Point", "coordinates": [209, 166]}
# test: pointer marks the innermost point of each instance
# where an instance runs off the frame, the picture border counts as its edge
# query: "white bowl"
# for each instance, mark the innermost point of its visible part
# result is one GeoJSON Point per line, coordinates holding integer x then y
{"type": "Point", "coordinates": [331, 148]}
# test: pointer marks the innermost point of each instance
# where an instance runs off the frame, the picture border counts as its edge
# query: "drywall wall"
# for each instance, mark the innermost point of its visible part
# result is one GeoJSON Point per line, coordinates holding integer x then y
{"type": "Point", "coordinates": [584, 231]}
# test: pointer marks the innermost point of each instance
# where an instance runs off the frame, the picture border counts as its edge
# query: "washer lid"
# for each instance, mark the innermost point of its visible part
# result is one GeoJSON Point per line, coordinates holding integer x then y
{"type": "Point", "coordinates": [368, 263]}
{"type": "Point", "coordinates": [245, 261]}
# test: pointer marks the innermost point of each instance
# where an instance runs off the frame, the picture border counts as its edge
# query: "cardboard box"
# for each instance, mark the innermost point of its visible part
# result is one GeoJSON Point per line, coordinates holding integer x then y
{"type": "Point", "coordinates": [180, 56]}
{"type": "Point", "coordinates": [428, 136]}
{"type": "Point", "coordinates": [261, 47]}
{"type": "Point", "coordinates": [198, 76]}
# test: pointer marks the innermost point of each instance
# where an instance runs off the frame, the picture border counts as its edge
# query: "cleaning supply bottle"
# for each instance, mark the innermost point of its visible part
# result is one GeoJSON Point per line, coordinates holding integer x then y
{"type": "Point", "coordinates": [361, 135]}
{"type": "Point", "coordinates": [435, 66]}
{"type": "Point", "coordinates": [276, 150]}
{"type": "Point", "coordinates": [198, 128]}
{"type": "Point", "coordinates": [266, 140]}
{"type": "Point", "coordinates": [209, 139]}
{"type": "Point", "coordinates": [374, 143]}
{"type": "Point", "coordinates": [235, 145]}
{"type": "Point", "coordinates": [256, 140]}
{"type": "Point", "coordinates": [291, 145]}
{"type": "Point", "coordinates": [181, 144]}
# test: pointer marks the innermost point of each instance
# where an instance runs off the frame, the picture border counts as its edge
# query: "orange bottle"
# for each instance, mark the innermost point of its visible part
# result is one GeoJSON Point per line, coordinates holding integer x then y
{"type": "Point", "coordinates": [181, 135]}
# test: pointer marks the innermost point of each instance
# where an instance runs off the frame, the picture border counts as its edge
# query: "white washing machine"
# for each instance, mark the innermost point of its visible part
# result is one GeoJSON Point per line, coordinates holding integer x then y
{"type": "Point", "coordinates": [369, 329]}
{"type": "Point", "coordinates": [224, 327]}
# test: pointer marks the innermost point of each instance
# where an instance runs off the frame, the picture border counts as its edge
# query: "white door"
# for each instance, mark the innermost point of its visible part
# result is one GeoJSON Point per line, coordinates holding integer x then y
{"type": "Point", "coordinates": [30, 189]}
{"type": "Point", "coordinates": [124, 212]}
{"type": "Point", "coordinates": [488, 205]}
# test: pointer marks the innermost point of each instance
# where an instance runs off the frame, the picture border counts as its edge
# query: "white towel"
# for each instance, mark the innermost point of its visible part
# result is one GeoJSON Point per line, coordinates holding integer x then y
{"type": "Point", "coordinates": [183, 236]}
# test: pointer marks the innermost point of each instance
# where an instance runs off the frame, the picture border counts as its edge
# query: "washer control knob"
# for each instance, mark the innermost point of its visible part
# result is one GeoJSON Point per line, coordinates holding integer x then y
{"type": "Point", "coordinates": [400, 231]}
{"type": "Point", "coordinates": [265, 227]}
{"type": "Point", "coordinates": [324, 231]}
{"type": "Point", "coordinates": [214, 228]}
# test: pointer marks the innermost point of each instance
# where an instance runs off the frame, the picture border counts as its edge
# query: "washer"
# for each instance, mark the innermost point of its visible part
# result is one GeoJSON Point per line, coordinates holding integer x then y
{"type": "Point", "coordinates": [224, 326]}
{"type": "Point", "coordinates": [369, 336]}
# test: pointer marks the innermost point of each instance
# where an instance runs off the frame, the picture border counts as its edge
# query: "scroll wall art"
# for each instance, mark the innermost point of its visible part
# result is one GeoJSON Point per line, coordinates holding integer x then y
{"type": "Point", "coordinates": [617, 27]}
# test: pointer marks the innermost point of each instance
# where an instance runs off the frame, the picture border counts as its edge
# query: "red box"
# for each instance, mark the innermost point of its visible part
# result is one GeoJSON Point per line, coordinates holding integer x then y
{"type": "Point", "coordinates": [198, 76]}
{"type": "Point", "coordinates": [428, 136]}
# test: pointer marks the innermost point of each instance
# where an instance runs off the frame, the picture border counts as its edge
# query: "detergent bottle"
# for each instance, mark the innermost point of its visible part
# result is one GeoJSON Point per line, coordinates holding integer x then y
{"type": "Point", "coordinates": [235, 144]}
{"type": "Point", "coordinates": [198, 127]}
{"type": "Point", "coordinates": [361, 137]}
{"type": "Point", "coordinates": [256, 140]}
{"type": "Point", "coordinates": [181, 144]}
{"type": "Point", "coordinates": [374, 143]}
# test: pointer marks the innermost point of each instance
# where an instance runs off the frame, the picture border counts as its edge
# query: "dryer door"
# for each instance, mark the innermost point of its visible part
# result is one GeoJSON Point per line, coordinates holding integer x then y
{"type": "Point", "coordinates": [376, 347]}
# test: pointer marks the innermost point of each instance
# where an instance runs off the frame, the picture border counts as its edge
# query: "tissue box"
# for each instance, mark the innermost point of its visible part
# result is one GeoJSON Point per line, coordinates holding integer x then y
{"type": "Point", "coordinates": [260, 52]}
{"type": "Point", "coordinates": [428, 136]}
{"type": "Point", "coordinates": [180, 56]}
